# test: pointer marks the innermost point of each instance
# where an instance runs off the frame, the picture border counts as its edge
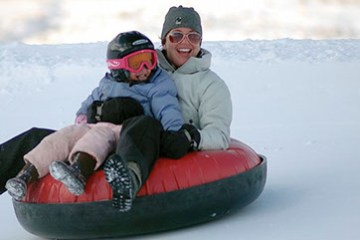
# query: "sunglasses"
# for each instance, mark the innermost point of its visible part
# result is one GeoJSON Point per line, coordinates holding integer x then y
{"type": "Point", "coordinates": [134, 62]}
{"type": "Point", "coordinates": [193, 37]}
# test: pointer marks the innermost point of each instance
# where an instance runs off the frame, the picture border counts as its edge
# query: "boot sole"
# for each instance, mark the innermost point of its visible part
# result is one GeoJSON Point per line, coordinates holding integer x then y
{"type": "Point", "coordinates": [61, 172]}
{"type": "Point", "coordinates": [16, 188]}
{"type": "Point", "coordinates": [118, 176]}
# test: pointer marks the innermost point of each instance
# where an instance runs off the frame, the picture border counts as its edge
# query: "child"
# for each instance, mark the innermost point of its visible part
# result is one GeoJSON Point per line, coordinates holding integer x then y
{"type": "Point", "coordinates": [134, 75]}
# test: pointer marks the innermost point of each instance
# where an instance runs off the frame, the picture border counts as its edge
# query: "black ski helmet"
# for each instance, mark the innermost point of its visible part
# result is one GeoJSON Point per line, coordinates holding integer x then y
{"type": "Point", "coordinates": [124, 44]}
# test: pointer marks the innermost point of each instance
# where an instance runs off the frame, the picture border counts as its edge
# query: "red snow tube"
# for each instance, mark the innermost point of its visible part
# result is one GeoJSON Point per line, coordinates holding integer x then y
{"type": "Point", "coordinates": [199, 187]}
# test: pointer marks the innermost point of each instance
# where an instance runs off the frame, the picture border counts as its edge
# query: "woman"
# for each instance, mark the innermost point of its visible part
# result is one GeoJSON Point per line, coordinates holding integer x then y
{"type": "Point", "coordinates": [204, 98]}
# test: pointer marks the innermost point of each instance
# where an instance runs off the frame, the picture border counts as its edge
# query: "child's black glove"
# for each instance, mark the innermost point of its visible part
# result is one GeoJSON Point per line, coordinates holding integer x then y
{"type": "Point", "coordinates": [114, 110]}
{"type": "Point", "coordinates": [94, 112]}
{"type": "Point", "coordinates": [117, 110]}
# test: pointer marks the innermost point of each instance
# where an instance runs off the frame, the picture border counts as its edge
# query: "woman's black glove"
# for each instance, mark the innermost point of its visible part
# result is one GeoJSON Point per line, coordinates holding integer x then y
{"type": "Point", "coordinates": [193, 135]}
{"type": "Point", "coordinates": [175, 144]}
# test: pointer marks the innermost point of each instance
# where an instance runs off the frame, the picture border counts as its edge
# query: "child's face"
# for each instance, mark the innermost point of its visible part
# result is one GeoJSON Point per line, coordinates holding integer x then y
{"type": "Point", "coordinates": [143, 75]}
{"type": "Point", "coordinates": [139, 64]}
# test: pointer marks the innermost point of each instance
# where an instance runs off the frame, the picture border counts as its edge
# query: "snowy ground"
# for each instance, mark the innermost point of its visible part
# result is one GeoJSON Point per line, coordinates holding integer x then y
{"type": "Point", "coordinates": [296, 102]}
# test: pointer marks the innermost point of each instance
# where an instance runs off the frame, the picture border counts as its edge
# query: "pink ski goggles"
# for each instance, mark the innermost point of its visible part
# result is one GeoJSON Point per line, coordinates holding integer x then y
{"type": "Point", "coordinates": [135, 61]}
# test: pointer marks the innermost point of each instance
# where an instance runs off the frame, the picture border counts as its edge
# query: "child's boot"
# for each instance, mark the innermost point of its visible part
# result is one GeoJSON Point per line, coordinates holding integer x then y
{"type": "Point", "coordinates": [17, 186]}
{"type": "Point", "coordinates": [124, 179]}
{"type": "Point", "coordinates": [74, 176]}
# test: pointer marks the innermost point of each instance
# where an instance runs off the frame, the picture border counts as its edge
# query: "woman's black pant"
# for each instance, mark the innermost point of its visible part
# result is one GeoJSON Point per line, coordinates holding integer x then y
{"type": "Point", "coordinates": [140, 142]}
{"type": "Point", "coordinates": [13, 151]}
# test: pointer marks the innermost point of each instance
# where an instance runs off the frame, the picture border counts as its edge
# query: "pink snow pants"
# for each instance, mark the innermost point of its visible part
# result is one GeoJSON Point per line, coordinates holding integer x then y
{"type": "Point", "coordinates": [97, 140]}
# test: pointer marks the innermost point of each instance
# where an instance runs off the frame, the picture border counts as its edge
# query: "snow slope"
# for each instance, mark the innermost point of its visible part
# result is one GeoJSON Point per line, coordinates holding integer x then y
{"type": "Point", "coordinates": [295, 101]}
{"type": "Point", "coordinates": [84, 21]}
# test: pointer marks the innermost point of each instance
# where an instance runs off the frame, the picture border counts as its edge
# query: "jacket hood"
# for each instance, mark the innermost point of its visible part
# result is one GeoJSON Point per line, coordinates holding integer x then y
{"type": "Point", "coordinates": [193, 65]}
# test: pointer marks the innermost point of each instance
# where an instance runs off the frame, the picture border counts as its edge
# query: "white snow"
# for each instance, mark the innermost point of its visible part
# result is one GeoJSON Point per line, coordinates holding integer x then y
{"type": "Point", "coordinates": [84, 21]}
{"type": "Point", "coordinates": [295, 101]}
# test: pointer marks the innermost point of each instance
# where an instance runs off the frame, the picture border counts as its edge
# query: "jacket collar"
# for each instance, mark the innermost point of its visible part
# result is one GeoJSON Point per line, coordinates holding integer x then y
{"type": "Point", "coordinates": [193, 65]}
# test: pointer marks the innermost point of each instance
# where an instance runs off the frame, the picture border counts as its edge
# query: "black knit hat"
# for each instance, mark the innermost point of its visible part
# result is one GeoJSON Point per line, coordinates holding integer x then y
{"type": "Point", "coordinates": [178, 17]}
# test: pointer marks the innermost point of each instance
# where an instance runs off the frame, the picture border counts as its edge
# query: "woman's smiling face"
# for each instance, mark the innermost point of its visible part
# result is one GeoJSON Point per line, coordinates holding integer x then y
{"type": "Point", "coordinates": [178, 53]}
